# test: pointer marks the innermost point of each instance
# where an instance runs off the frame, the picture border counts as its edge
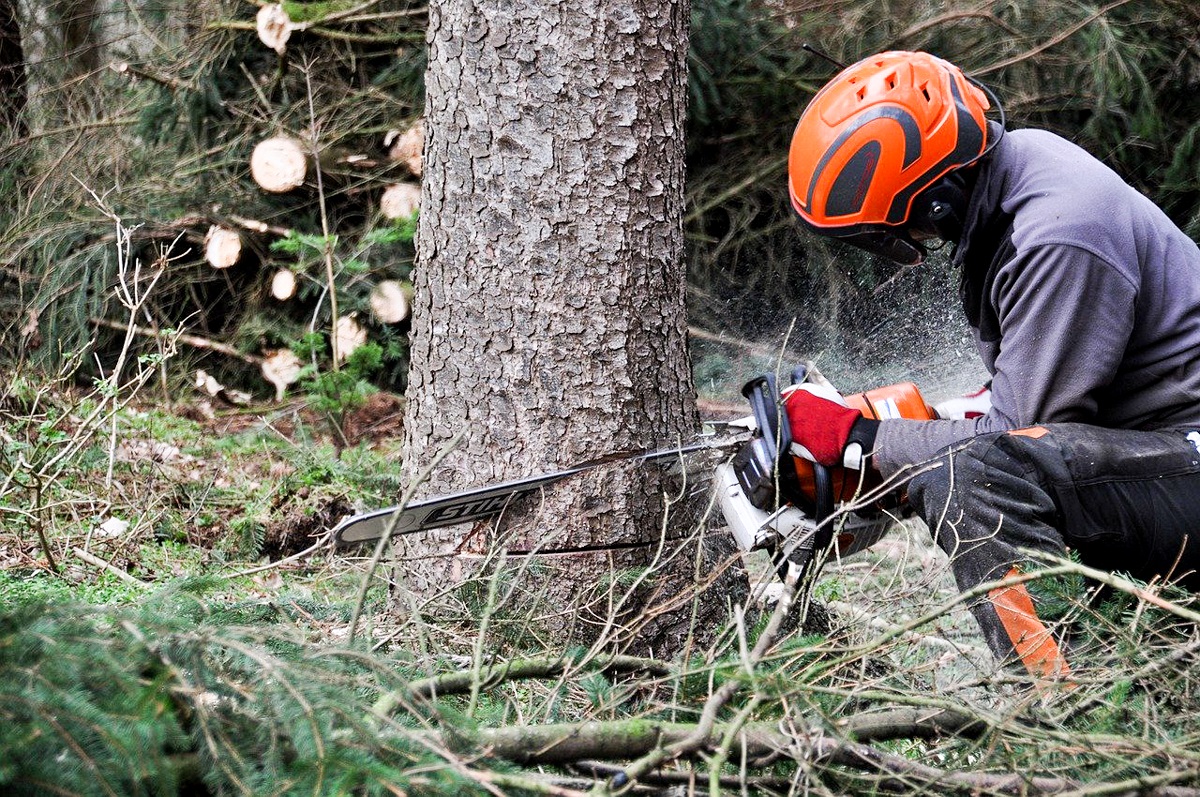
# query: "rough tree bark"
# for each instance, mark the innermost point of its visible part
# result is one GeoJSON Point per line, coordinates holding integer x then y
{"type": "Point", "coordinates": [549, 316]}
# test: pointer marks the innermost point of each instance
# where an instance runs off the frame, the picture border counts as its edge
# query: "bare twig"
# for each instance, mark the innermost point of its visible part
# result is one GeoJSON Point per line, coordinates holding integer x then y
{"type": "Point", "coordinates": [520, 669]}
{"type": "Point", "coordinates": [700, 734]}
{"type": "Point", "coordinates": [1060, 565]}
{"type": "Point", "coordinates": [760, 349]}
{"type": "Point", "coordinates": [386, 537]}
{"type": "Point", "coordinates": [982, 12]}
{"type": "Point", "coordinates": [326, 238]}
{"type": "Point", "coordinates": [323, 542]}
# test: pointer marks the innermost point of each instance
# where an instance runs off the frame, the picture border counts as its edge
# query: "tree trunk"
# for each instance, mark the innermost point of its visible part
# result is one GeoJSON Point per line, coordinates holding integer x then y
{"type": "Point", "coordinates": [77, 25]}
{"type": "Point", "coordinates": [549, 317]}
{"type": "Point", "coordinates": [13, 94]}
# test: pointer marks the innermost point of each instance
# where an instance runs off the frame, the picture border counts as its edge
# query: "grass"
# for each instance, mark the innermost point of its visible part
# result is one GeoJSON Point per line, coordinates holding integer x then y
{"type": "Point", "coordinates": [189, 495]}
{"type": "Point", "coordinates": [31, 587]}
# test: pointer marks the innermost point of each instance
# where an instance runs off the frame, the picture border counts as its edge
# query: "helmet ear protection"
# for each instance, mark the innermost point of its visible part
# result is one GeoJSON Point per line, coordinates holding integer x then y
{"type": "Point", "coordinates": [875, 153]}
{"type": "Point", "coordinates": [940, 210]}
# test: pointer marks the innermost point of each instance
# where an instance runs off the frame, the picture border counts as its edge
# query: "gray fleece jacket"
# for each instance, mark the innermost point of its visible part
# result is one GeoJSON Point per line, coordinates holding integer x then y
{"type": "Point", "coordinates": [1084, 299]}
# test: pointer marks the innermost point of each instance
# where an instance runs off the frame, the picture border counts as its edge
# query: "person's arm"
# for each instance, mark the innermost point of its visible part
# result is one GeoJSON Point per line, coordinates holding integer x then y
{"type": "Point", "coordinates": [1065, 318]}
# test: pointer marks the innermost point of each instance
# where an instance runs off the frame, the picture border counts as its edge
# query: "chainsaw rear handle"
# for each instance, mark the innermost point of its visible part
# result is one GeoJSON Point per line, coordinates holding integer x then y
{"type": "Point", "coordinates": [768, 457]}
{"type": "Point", "coordinates": [762, 392]}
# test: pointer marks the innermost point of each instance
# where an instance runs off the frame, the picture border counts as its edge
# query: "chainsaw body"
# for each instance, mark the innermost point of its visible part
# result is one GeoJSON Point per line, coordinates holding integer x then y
{"type": "Point", "coordinates": [775, 500]}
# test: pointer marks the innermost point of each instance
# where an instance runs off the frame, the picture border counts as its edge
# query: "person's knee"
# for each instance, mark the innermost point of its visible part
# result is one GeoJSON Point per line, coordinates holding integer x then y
{"type": "Point", "coordinates": [933, 490]}
{"type": "Point", "coordinates": [981, 491]}
{"type": "Point", "coordinates": [989, 495]}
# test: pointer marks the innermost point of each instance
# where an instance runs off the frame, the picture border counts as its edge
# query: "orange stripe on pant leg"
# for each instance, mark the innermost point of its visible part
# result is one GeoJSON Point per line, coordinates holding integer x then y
{"type": "Point", "coordinates": [1036, 432]}
{"type": "Point", "coordinates": [1033, 642]}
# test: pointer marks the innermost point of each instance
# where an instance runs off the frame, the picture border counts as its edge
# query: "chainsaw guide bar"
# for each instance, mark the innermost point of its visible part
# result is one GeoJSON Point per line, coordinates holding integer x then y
{"type": "Point", "coordinates": [483, 502]}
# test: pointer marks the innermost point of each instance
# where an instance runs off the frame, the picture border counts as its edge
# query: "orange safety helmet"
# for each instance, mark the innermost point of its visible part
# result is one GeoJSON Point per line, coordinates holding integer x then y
{"type": "Point", "coordinates": [875, 137]}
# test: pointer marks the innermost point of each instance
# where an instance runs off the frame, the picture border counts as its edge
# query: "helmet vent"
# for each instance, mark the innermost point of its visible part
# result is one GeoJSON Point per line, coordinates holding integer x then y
{"type": "Point", "coordinates": [861, 93]}
{"type": "Point", "coordinates": [891, 81]}
{"type": "Point", "coordinates": [925, 92]}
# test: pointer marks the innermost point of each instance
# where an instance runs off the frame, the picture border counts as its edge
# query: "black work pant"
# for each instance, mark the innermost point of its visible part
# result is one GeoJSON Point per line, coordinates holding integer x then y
{"type": "Point", "coordinates": [1125, 500]}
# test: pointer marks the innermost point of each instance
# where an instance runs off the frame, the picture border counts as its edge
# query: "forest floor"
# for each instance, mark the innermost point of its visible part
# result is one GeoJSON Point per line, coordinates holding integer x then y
{"type": "Point", "coordinates": [227, 512]}
{"type": "Point", "coordinates": [249, 494]}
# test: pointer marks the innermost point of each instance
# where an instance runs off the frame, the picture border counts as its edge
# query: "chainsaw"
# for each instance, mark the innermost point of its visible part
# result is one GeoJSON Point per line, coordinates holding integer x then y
{"type": "Point", "coordinates": [775, 499]}
{"type": "Point", "coordinates": [771, 497]}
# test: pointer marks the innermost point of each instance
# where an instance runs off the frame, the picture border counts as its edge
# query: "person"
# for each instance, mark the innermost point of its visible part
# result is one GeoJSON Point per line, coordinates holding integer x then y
{"type": "Point", "coordinates": [1084, 301]}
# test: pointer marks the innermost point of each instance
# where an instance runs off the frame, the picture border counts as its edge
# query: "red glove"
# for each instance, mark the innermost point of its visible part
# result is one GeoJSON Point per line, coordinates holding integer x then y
{"type": "Point", "coordinates": [820, 425]}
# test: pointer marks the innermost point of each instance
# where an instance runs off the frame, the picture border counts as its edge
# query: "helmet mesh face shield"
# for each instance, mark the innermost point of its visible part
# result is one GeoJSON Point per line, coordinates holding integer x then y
{"type": "Point", "coordinates": [893, 243]}
{"type": "Point", "coordinates": [873, 138]}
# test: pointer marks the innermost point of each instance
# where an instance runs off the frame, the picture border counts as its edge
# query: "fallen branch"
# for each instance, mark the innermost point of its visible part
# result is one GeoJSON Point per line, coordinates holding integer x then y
{"type": "Point", "coordinates": [96, 561]}
{"type": "Point", "coordinates": [911, 723]}
{"type": "Point", "coordinates": [336, 34]}
{"type": "Point", "coordinates": [495, 674]}
{"type": "Point", "coordinates": [600, 770]}
{"type": "Point", "coordinates": [703, 732]}
{"type": "Point", "coordinates": [259, 226]}
{"type": "Point", "coordinates": [617, 740]}
{"type": "Point", "coordinates": [167, 81]}
{"type": "Point", "coordinates": [194, 341]}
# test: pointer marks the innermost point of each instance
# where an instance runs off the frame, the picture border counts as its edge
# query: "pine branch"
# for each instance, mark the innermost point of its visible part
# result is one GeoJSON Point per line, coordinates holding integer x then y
{"type": "Point", "coordinates": [1051, 42]}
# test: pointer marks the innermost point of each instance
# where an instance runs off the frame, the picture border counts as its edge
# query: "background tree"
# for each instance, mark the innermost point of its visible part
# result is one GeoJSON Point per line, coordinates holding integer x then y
{"type": "Point", "coordinates": [12, 72]}
{"type": "Point", "coordinates": [550, 320]}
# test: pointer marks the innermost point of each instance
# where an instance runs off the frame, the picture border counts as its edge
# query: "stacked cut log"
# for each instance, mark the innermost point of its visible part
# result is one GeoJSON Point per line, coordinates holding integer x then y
{"type": "Point", "coordinates": [402, 200]}
{"type": "Point", "coordinates": [349, 336]}
{"type": "Point", "coordinates": [281, 367]}
{"type": "Point", "coordinates": [279, 164]}
{"type": "Point", "coordinates": [222, 247]}
{"type": "Point", "coordinates": [283, 284]}
{"type": "Point", "coordinates": [283, 163]}
{"type": "Point", "coordinates": [406, 147]}
{"type": "Point", "coordinates": [274, 27]}
{"type": "Point", "coordinates": [389, 302]}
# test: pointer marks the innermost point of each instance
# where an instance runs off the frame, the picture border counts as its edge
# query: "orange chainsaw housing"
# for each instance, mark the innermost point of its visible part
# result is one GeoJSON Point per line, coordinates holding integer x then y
{"type": "Point", "coordinates": [901, 400]}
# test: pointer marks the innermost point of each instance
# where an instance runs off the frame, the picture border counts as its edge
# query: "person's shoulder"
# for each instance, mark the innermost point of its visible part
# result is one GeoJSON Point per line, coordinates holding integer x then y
{"type": "Point", "coordinates": [1043, 156]}
{"type": "Point", "coordinates": [1060, 194]}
